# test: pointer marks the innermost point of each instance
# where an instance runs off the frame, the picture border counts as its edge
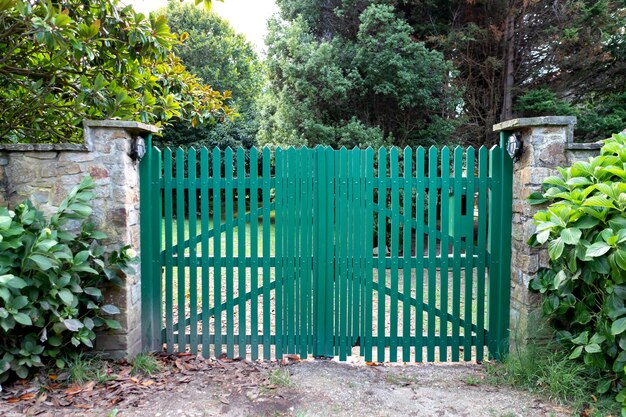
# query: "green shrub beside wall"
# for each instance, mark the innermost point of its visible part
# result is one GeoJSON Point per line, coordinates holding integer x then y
{"type": "Point", "coordinates": [51, 274]}
{"type": "Point", "coordinates": [584, 229]}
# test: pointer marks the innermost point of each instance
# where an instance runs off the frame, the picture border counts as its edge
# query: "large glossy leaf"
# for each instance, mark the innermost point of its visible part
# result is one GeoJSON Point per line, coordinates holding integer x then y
{"type": "Point", "coordinates": [571, 236]}
{"type": "Point", "coordinates": [73, 325]}
{"type": "Point", "coordinates": [618, 326]}
{"type": "Point", "coordinates": [597, 249]}
{"type": "Point", "coordinates": [555, 248]}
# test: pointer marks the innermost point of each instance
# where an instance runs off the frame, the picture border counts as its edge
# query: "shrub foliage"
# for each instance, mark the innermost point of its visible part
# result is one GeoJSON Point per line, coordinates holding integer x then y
{"type": "Point", "coordinates": [584, 228]}
{"type": "Point", "coordinates": [51, 277]}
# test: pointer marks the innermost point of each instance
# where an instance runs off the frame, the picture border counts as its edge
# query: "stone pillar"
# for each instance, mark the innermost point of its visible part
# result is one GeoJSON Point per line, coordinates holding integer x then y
{"type": "Point", "coordinates": [45, 173]}
{"type": "Point", "coordinates": [547, 144]}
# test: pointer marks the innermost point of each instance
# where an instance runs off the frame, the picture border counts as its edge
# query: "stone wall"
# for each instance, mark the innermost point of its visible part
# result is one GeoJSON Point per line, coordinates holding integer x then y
{"type": "Point", "coordinates": [45, 173]}
{"type": "Point", "coordinates": [547, 144]}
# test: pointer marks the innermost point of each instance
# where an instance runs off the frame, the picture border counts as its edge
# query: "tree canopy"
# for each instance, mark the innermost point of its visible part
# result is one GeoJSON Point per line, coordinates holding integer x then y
{"type": "Point", "coordinates": [506, 53]}
{"type": "Point", "coordinates": [223, 59]}
{"type": "Point", "coordinates": [68, 60]}
{"type": "Point", "coordinates": [347, 73]}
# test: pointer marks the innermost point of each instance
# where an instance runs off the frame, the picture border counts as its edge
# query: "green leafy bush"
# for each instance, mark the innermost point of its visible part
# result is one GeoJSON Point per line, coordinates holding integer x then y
{"type": "Point", "coordinates": [584, 229]}
{"type": "Point", "coordinates": [50, 283]}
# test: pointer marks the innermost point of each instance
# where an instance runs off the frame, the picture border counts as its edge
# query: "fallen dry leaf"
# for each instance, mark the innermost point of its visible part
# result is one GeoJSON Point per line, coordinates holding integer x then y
{"type": "Point", "coordinates": [73, 389]}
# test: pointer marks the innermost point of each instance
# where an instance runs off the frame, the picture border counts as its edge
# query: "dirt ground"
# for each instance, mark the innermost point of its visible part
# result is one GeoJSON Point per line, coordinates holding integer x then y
{"type": "Point", "coordinates": [194, 387]}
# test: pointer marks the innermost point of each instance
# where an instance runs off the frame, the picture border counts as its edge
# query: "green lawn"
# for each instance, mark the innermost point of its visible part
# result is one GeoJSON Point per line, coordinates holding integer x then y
{"type": "Point", "coordinates": [237, 235]}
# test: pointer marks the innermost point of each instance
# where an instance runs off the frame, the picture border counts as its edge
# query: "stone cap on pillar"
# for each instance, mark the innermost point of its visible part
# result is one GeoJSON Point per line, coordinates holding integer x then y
{"type": "Point", "coordinates": [133, 128]}
{"type": "Point", "coordinates": [517, 124]}
{"type": "Point", "coordinates": [548, 121]}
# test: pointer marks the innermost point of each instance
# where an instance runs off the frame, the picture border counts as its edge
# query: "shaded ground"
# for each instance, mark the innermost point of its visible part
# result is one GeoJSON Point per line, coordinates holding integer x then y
{"type": "Point", "coordinates": [195, 387]}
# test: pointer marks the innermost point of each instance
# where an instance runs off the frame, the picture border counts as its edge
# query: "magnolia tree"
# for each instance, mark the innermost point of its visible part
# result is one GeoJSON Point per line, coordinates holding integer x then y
{"type": "Point", "coordinates": [68, 60]}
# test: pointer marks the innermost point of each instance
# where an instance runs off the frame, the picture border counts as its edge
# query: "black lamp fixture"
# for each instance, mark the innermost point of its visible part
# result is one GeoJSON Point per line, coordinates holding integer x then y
{"type": "Point", "coordinates": [137, 148]}
{"type": "Point", "coordinates": [514, 146]}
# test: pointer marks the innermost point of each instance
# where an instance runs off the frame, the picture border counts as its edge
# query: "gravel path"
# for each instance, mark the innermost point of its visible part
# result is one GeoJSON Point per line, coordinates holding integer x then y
{"type": "Point", "coordinates": [316, 388]}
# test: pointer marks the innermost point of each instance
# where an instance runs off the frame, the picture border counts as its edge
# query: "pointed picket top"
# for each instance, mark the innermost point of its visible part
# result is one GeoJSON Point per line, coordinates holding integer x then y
{"type": "Point", "coordinates": [228, 150]}
{"type": "Point", "coordinates": [254, 151]}
{"type": "Point", "coordinates": [408, 162]}
{"type": "Point", "coordinates": [432, 150]}
{"type": "Point", "coordinates": [458, 149]}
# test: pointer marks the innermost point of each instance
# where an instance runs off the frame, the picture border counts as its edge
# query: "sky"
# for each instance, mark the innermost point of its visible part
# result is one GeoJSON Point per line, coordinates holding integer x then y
{"type": "Point", "coordinates": [246, 16]}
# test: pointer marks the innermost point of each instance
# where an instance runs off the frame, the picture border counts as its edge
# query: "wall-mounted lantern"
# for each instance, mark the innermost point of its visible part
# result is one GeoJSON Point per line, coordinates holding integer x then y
{"type": "Point", "coordinates": [514, 146]}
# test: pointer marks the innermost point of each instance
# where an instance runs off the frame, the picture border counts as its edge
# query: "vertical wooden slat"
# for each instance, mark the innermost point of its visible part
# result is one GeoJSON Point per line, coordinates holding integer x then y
{"type": "Point", "coordinates": [266, 253]}
{"type": "Point", "coordinates": [369, 260]}
{"type": "Point", "coordinates": [419, 252]}
{"type": "Point", "coordinates": [357, 247]}
{"type": "Point", "coordinates": [280, 219]}
{"type": "Point", "coordinates": [180, 245]}
{"type": "Point", "coordinates": [289, 317]}
{"type": "Point", "coordinates": [483, 165]}
{"type": "Point", "coordinates": [169, 237]}
{"type": "Point", "coordinates": [157, 247]}
{"type": "Point", "coordinates": [494, 248]}
{"type": "Point", "coordinates": [229, 224]}
{"type": "Point", "coordinates": [299, 226]}
{"type": "Point", "coordinates": [343, 253]}
{"type": "Point", "coordinates": [307, 301]}
{"type": "Point", "coordinates": [147, 220]}
{"type": "Point", "coordinates": [432, 250]}
{"type": "Point", "coordinates": [506, 209]}
{"type": "Point", "coordinates": [382, 252]}
{"type": "Point", "coordinates": [204, 230]}
{"type": "Point", "coordinates": [320, 240]}
{"type": "Point", "coordinates": [331, 232]}
{"type": "Point", "coordinates": [241, 250]}
{"type": "Point", "coordinates": [217, 249]}
{"type": "Point", "coordinates": [444, 251]}
{"type": "Point", "coordinates": [193, 257]}
{"type": "Point", "coordinates": [469, 253]}
{"type": "Point", "coordinates": [395, 252]}
{"type": "Point", "coordinates": [407, 212]}
{"type": "Point", "coordinates": [254, 252]}
{"type": "Point", "coordinates": [456, 242]}
{"type": "Point", "coordinates": [359, 240]}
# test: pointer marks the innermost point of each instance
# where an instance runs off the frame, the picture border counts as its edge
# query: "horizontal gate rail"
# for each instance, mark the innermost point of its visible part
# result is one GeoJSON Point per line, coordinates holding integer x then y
{"type": "Point", "coordinates": [273, 261]}
{"type": "Point", "coordinates": [219, 183]}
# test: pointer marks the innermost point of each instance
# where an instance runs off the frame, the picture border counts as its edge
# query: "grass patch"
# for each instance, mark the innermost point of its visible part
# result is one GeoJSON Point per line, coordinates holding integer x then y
{"type": "Point", "coordinates": [544, 367]}
{"type": "Point", "coordinates": [472, 380]}
{"type": "Point", "coordinates": [83, 369]}
{"type": "Point", "coordinates": [280, 377]}
{"type": "Point", "coordinates": [145, 364]}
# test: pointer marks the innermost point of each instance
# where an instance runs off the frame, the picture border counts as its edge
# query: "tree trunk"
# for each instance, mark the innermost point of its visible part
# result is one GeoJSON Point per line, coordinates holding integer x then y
{"type": "Point", "coordinates": [509, 68]}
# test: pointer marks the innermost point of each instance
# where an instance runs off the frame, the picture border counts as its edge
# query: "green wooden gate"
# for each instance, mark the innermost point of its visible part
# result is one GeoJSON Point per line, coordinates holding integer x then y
{"type": "Point", "coordinates": [403, 255]}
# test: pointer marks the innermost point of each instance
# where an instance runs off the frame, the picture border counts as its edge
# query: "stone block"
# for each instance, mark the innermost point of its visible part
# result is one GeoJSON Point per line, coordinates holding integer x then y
{"type": "Point", "coordinates": [40, 155]}
{"type": "Point", "coordinates": [98, 172]}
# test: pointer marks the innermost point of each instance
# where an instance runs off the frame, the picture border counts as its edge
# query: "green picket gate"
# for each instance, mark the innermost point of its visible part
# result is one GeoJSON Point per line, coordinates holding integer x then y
{"type": "Point", "coordinates": [399, 255]}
